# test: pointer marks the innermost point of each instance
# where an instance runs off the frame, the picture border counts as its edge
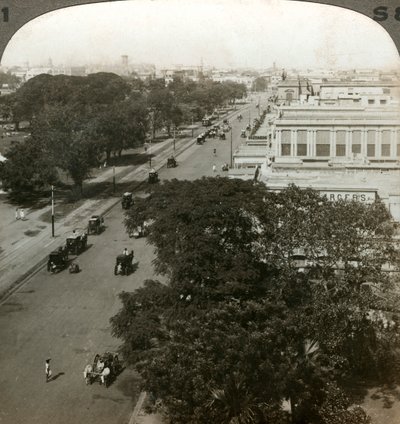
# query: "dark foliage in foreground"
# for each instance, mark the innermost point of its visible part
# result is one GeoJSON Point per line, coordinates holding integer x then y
{"type": "Point", "coordinates": [271, 297]}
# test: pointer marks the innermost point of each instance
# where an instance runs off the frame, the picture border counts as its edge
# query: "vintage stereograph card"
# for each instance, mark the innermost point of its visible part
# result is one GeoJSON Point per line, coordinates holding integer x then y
{"type": "Point", "coordinates": [200, 211]}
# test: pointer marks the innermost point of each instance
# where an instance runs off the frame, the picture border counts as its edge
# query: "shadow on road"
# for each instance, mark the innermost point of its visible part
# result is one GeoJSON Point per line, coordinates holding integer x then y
{"type": "Point", "coordinates": [130, 159]}
{"type": "Point", "coordinates": [55, 377]}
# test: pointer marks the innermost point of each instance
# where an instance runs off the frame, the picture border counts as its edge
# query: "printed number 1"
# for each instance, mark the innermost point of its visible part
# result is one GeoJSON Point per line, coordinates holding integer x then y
{"type": "Point", "coordinates": [4, 11]}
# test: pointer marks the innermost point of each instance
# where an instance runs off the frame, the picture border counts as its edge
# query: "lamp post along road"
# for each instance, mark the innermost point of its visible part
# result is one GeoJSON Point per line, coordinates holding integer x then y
{"type": "Point", "coordinates": [152, 134]}
{"type": "Point", "coordinates": [114, 179]}
{"type": "Point", "coordinates": [52, 211]}
{"type": "Point", "coordinates": [231, 148]}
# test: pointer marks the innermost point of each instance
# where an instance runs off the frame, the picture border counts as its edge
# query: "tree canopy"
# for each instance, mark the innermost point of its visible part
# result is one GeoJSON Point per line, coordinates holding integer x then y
{"type": "Point", "coordinates": [240, 326]}
{"type": "Point", "coordinates": [103, 113]}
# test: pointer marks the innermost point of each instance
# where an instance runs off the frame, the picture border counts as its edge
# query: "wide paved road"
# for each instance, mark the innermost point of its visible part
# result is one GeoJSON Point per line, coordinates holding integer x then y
{"type": "Point", "coordinates": [66, 317]}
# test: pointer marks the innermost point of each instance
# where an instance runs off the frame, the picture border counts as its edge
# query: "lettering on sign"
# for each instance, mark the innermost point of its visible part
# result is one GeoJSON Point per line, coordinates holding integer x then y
{"type": "Point", "coordinates": [359, 196]}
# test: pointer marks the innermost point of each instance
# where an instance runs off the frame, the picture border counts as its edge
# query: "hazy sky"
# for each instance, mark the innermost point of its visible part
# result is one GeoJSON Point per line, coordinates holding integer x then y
{"type": "Point", "coordinates": [223, 33]}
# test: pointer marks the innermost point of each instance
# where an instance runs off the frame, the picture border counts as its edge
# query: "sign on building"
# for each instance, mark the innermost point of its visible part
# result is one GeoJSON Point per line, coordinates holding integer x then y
{"type": "Point", "coordinates": [350, 195]}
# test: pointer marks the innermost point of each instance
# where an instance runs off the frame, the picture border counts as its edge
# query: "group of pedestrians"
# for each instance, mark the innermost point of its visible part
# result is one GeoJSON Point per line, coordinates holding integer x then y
{"type": "Point", "coordinates": [20, 214]}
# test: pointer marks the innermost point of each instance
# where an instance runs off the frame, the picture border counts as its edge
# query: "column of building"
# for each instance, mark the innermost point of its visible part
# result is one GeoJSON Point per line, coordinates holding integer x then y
{"type": "Point", "coordinates": [393, 144]}
{"type": "Point", "coordinates": [364, 142]}
{"type": "Point", "coordinates": [378, 144]}
{"type": "Point", "coordinates": [278, 143]}
{"type": "Point", "coordinates": [332, 142]}
{"type": "Point", "coordinates": [293, 143]}
{"type": "Point", "coordinates": [348, 143]}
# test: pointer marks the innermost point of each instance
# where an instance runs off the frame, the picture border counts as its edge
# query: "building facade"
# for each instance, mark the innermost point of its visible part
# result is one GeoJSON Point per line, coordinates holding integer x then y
{"type": "Point", "coordinates": [324, 133]}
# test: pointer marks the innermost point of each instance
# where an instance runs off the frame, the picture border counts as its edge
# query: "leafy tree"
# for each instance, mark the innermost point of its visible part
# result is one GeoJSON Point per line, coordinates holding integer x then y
{"type": "Point", "coordinates": [75, 119]}
{"type": "Point", "coordinates": [66, 136]}
{"type": "Point", "coordinates": [9, 79]}
{"type": "Point", "coordinates": [101, 89]}
{"type": "Point", "coordinates": [120, 126]}
{"type": "Point", "coordinates": [337, 408]}
{"type": "Point", "coordinates": [240, 325]}
{"type": "Point", "coordinates": [160, 102]}
{"type": "Point", "coordinates": [29, 99]}
{"type": "Point", "coordinates": [28, 167]}
{"type": "Point", "coordinates": [80, 93]}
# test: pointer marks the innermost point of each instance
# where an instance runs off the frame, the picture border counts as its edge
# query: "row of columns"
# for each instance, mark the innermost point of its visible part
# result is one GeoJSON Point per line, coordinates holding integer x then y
{"type": "Point", "coordinates": [312, 141]}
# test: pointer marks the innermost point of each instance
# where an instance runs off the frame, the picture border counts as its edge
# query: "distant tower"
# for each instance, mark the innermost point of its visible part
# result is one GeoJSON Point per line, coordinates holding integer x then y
{"type": "Point", "coordinates": [124, 59]}
{"type": "Point", "coordinates": [274, 66]}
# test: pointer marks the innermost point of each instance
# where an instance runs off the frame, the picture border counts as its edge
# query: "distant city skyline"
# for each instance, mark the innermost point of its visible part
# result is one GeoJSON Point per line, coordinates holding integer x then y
{"type": "Point", "coordinates": [215, 33]}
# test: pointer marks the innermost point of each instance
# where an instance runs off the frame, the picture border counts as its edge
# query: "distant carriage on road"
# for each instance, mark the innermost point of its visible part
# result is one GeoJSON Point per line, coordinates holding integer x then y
{"type": "Point", "coordinates": [58, 260]}
{"type": "Point", "coordinates": [95, 224]}
{"type": "Point", "coordinates": [153, 177]}
{"type": "Point", "coordinates": [105, 368]}
{"type": "Point", "coordinates": [127, 200]}
{"type": "Point", "coordinates": [123, 264]}
{"type": "Point", "coordinates": [171, 162]}
{"type": "Point", "coordinates": [76, 243]}
{"type": "Point", "coordinates": [201, 138]}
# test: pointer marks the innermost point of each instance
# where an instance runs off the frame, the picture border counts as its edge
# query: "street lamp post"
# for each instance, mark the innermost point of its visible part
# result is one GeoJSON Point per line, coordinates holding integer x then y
{"type": "Point", "coordinates": [114, 179]}
{"type": "Point", "coordinates": [152, 134]}
{"type": "Point", "coordinates": [52, 211]}
{"type": "Point", "coordinates": [174, 138]}
{"type": "Point", "coordinates": [231, 145]}
{"type": "Point", "coordinates": [150, 153]}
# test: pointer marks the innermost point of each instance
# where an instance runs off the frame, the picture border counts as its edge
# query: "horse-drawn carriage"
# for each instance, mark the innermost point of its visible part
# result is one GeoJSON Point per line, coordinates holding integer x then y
{"type": "Point", "coordinates": [127, 200]}
{"type": "Point", "coordinates": [105, 369]}
{"type": "Point", "coordinates": [123, 264]}
{"type": "Point", "coordinates": [95, 224]}
{"type": "Point", "coordinates": [171, 162]}
{"type": "Point", "coordinates": [201, 138]}
{"type": "Point", "coordinates": [153, 176]}
{"type": "Point", "coordinates": [222, 136]}
{"type": "Point", "coordinates": [76, 243]}
{"type": "Point", "coordinates": [58, 259]}
{"type": "Point", "coordinates": [139, 231]}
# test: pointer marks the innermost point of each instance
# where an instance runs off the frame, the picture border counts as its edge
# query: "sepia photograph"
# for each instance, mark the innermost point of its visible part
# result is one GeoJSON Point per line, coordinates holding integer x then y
{"type": "Point", "coordinates": [199, 213]}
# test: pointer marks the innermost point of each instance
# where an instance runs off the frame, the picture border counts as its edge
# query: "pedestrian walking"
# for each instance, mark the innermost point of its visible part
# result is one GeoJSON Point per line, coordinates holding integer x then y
{"type": "Point", "coordinates": [214, 168]}
{"type": "Point", "coordinates": [215, 152]}
{"type": "Point", "coordinates": [17, 215]}
{"type": "Point", "coordinates": [48, 370]}
{"type": "Point", "coordinates": [22, 214]}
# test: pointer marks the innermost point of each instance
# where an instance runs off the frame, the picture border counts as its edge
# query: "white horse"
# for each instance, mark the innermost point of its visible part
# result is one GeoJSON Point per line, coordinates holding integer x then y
{"type": "Point", "coordinates": [104, 374]}
{"type": "Point", "coordinates": [87, 373]}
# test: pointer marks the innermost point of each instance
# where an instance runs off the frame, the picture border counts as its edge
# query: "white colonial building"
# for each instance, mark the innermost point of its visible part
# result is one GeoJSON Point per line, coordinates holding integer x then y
{"type": "Point", "coordinates": [336, 132]}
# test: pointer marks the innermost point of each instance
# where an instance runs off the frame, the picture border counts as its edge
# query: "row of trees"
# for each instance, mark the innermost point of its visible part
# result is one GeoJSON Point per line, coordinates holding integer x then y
{"type": "Point", "coordinates": [239, 328]}
{"type": "Point", "coordinates": [77, 121]}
